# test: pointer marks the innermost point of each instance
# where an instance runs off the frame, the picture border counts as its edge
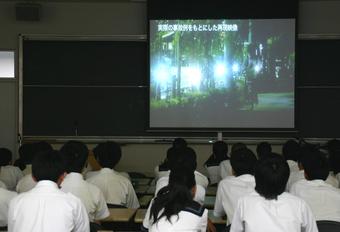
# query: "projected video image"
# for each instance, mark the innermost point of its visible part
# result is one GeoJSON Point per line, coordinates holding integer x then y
{"type": "Point", "coordinates": [222, 73]}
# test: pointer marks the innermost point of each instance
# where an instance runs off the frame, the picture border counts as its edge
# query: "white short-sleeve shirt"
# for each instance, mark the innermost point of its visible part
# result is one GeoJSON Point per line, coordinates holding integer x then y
{"type": "Point", "coordinates": [10, 175]}
{"type": "Point", "coordinates": [3, 185]}
{"type": "Point", "coordinates": [323, 199]}
{"type": "Point", "coordinates": [5, 197]}
{"type": "Point", "coordinates": [288, 213]}
{"type": "Point", "coordinates": [193, 218]}
{"type": "Point", "coordinates": [90, 174]}
{"type": "Point", "coordinates": [47, 208]}
{"type": "Point", "coordinates": [116, 188]}
{"type": "Point", "coordinates": [214, 174]}
{"type": "Point", "coordinates": [28, 169]}
{"type": "Point", "coordinates": [225, 169]}
{"type": "Point", "coordinates": [293, 166]}
{"type": "Point", "coordinates": [229, 191]}
{"type": "Point", "coordinates": [25, 184]}
{"type": "Point", "coordinates": [91, 196]}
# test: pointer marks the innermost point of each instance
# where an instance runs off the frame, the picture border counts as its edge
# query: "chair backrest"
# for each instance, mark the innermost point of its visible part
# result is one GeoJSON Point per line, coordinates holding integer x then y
{"type": "Point", "coordinates": [328, 226]}
{"type": "Point", "coordinates": [114, 206]}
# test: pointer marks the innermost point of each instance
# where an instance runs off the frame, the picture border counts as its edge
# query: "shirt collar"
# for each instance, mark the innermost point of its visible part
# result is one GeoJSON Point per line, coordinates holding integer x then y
{"type": "Point", "coordinates": [107, 171]}
{"type": "Point", "coordinates": [47, 184]}
{"type": "Point", "coordinates": [317, 182]}
{"type": "Point", "coordinates": [75, 176]}
{"type": "Point", "coordinates": [246, 177]}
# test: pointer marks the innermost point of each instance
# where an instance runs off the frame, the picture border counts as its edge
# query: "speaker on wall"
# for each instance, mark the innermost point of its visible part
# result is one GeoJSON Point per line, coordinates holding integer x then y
{"type": "Point", "coordinates": [28, 11]}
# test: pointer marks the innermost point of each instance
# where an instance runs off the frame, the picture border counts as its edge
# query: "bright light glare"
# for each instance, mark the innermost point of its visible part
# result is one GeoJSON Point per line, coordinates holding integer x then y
{"type": "Point", "coordinates": [162, 75]}
{"type": "Point", "coordinates": [192, 76]}
{"type": "Point", "coordinates": [235, 68]}
{"type": "Point", "coordinates": [220, 70]}
{"type": "Point", "coordinates": [257, 68]}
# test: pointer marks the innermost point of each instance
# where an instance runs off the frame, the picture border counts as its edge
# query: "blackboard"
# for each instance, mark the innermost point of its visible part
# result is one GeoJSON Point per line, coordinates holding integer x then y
{"type": "Point", "coordinates": [99, 88]}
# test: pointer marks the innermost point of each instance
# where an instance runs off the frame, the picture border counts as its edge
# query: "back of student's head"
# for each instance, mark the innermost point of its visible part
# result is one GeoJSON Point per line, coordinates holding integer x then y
{"type": "Point", "coordinates": [290, 150]}
{"type": "Point", "coordinates": [5, 156]}
{"type": "Point", "coordinates": [48, 165]}
{"type": "Point", "coordinates": [315, 165]}
{"type": "Point", "coordinates": [220, 150]}
{"type": "Point", "coordinates": [26, 153]}
{"type": "Point", "coordinates": [108, 154]}
{"type": "Point", "coordinates": [271, 176]}
{"type": "Point", "coordinates": [173, 198]}
{"type": "Point", "coordinates": [333, 147]}
{"type": "Point", "coordinates": [184, 157]}
{"type": "Point", "coordinates": [75, 155]}
{"type": "Point", "coordinates": [179, 143]}
{"type": "Point", "coordinates": [41, 146]}
{"type": "Point", "coordinates": [237, 146]}
{"type": "Point", "coordinates": [263, 149]}
{"type": "Point", "coordinates": [243, 162]}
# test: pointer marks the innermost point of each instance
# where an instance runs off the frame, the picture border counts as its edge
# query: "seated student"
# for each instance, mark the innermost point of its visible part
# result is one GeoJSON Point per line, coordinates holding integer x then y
{"type": "Point", "coordinates": [173, 209]}
{"type": "Point", "coordinates": [46, 207]}
{"type": "Point", "coordinates": [75, 155]}
{"type": "Point", "coordinates": [163, 169]}
{"type": "Point", "coordinates": [186, 158]}
{"type": "Point", "coordinates": [116, 188]}
{"type": "Point", "coordinates": [225, 167]}
{"type": "Point", "coordinates": [290, 151]}
{"type": "Point", "coordinates": [5, 197]}
{"type": "Point", "coordinates": [269, 208]}
{"type": "Point", "coordinates": [27, 154]}
{"type": "Point", "coordinates": [334, 158]}
{"type": "Point", "coordinates": [112, 149]}
{"type": "Point", "coordinates": [232, 188]}
{"type": "Point", "coordinates": [9, 174]}
{"type": "Point", "coordinates": [220, 153]}
{"type": "Point", "coordinates": [300, 175]}
{"type": "Point", "coordinates": [263, 149]}
{"type": "Point", "coordinates": [323, 198]}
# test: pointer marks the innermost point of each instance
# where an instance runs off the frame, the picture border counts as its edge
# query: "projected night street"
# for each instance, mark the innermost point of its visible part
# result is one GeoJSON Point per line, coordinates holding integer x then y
{"type": "Point", "coordinates": [203, 72]}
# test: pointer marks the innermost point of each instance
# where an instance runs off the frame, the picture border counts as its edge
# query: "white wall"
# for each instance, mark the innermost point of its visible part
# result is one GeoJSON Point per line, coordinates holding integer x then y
{"type": "Point", "coordinates": [316, 17]}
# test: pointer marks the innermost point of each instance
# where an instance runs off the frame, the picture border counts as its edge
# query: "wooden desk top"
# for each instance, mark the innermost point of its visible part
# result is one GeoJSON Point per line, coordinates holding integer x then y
{"type": "Point", "coordinates": [120, 215]}
{"type": "Point", "coordinates": [145, 200]}
{"type": "Point", "coordinates": [140, 215]}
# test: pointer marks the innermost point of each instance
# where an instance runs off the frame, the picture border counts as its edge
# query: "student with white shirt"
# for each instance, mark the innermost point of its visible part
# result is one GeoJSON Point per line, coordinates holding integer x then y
{"type": "Point", "coordinates": [75, 154]}
{"type": "Point", "coordinates": [46, 207]}
{"type": "Point", "coordinates": [173, 209]}
{"type": "Point", "coordinates": [269, 208]}
{"type": "Point", "coordinates": [117, 189]}
{"type": "Point", "coordinates": [323, 198]}
{"type": "Point", "coordinates": [225, 166]}
{"type": "Point", "coordinates": [334, 158]}
{"type": "Point", "coordinates": [9, 174]}
{"type": "Point", "coordinates": [220, 153]}
{"type": "Point", "coordinates": [163, 169]}
{"type": "Point", "coordinates": [5, 197]}
{"type": "Point", "coordinates": [186, 158]}
{"type": "Point", "coordinates": [290, 151]}
{"type": "Point", "coordinates": [232, 188]}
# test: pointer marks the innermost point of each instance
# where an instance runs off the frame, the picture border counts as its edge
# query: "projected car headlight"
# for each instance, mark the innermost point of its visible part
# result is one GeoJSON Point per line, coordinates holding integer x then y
{"type": "Point", "coordinates": [162, 75]}
{"type": "Point", "coordinates": [235, 68]}
{"type": "Point", "coordinates": [191, 77]}
{"type": "Point", "coordinates": [258, 68]}
{"type": "Point", "coordinates": [220, 70]}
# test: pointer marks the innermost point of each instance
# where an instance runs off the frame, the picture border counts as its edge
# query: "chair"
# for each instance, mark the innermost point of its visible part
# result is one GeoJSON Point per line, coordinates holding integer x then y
{"type": "Point", "coordinates": [115, 206]}
{"type": "Point", "coordinates": [328, 226]}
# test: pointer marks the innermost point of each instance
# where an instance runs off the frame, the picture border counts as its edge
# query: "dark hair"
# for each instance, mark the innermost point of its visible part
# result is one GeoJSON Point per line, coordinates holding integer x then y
{"type": "Point", "coordinates": [243, 162]}
{"type": "Point", "coordinates": [75, 155]}
{"type": "Point", "coordinates": [263, 149]}
{"type": "Point", "coordinates": [185, 158]}
{"type": "Point", "coordinates": [108, 154]}
{"type": "Point", "coordinates": [237, 146]}
{"type": "Point", "coordinates": [179, 143]}
{"type": "Point", "coordinates": [48, 165]}
{"type": "Point", "coordinates": [175, 196]}
{"type": "Point", "coordinates": [220, 153]}
{"type": "Point", "coordinates": [290, 150]}
{"type": "Point", "coordinates": [5, 156]}
{"type": "Point", "coordinates": [315, 164]}
{"type": "Point", "coordinates": [26, 153]}
{"type": "Point", "coordinates": [271, 176]}
{"type": "Point", "coordinates": [333, 147]}
{"type": "Point", "coordinates": [41, 146]}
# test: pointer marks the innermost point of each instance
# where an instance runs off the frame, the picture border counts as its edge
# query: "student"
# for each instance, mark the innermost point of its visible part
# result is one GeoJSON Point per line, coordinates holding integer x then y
{"type": "Point", "coordinates": [46, 207]}
{"type": "Point", "coordinates": [323, 198]}
{"type": "Point", "coordinates": [225, 167]}
{"type": "Point", "coordinates": [116, 188]}
{"type": "Point", "coordinates": [75, 155]}
{"type": "Point", "coordinates": [220, 153]}
{"type": "Point", "coordinates": [186, 158]}
{"type": "Point", "coordinates": [173, 209]}
{"type": "Point", "coordinates": [5, 197]}
{"type": "Point", "coordinates": [334, 158]}
{"type": "Point", "coordinates": [300, 175]}
{"type": "Point", "coordinates": [28, 151]}
{"type": "Point", "coordinates": [269, 208]}
{"type": "Point", "coordinates": [164, 168]}
{"type": "Point", "coordinates": [111, 149]}
{"type": "Point", "coordinates": [9, 174]}
{"type": "Point", "coordinates": [290, 151]}
{"type": "Point", "coordinates": [263, 149]}
{"type": "Point", "coordinates": [232, 188]}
